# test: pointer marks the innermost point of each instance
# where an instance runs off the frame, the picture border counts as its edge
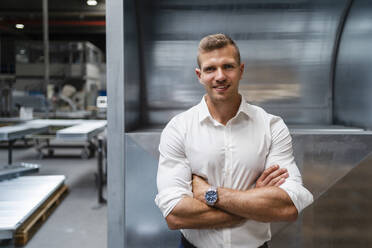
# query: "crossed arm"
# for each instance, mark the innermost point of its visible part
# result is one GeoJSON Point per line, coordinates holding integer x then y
{"type": "Point", "coordinates": [265, 203]}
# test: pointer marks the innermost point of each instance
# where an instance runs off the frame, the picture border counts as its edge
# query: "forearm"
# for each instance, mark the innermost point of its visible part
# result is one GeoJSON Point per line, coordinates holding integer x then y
{"type": "Point", "coordinates": [266, 204]}
{"type": "Point", "coordinates": [190, 213]}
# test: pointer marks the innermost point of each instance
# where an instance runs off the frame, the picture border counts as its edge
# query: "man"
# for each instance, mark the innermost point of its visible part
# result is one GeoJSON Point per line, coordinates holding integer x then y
{"type": "Point", "coordinates": [226, 167]}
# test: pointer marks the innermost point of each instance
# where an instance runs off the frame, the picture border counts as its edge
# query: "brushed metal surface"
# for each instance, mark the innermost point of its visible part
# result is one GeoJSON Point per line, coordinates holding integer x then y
{"type": "Point", "coordinates": [323, 156]}
{"type": "Point", "coordinates": [8, 172]}
{"type": "Point", "coordinates": [338, 218]}
{"type": "Point", "coordinates": [9, 133]}
{"type": "Point", "coordinates": [132, 68]}
{"type": "Point", "coordinates": [20, 197]}
{"type": "Point", "coordinates": [115, 14]}
{"type": "Point", "coordinates": [82, 132]}
{"type": "Point", "coordinates": [353, 87]}
{"type": "Point", "coordinates": [144, 225]}
{"type": "Point", "coordinates": [287, 48]}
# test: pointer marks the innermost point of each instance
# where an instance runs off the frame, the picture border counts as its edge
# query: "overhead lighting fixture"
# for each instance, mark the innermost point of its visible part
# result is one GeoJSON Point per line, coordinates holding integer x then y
{"type": "Point", "coordinates": [19, 26]}
{"type": "Point", "coordinates": [92, 2]}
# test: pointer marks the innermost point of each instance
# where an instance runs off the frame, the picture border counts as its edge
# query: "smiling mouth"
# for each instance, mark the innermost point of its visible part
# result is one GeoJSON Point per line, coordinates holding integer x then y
{"type": "Point", "coordinates": [221, 88]}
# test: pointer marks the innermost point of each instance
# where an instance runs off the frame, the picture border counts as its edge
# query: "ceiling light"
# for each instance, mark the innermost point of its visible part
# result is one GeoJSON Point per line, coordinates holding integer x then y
{"type": "Point", "coordinates": [19, 26]}
{"type": "Point", "coordinates": [92, 2]}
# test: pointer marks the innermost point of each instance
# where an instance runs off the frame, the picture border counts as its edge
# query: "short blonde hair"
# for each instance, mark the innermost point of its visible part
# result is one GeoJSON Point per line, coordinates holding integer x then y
{"type": "Point", "coordinates": [216, 41]}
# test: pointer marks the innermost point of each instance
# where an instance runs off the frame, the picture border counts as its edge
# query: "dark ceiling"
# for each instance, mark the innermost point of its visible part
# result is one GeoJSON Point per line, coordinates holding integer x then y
{"type": "Point", "coordinates": [68, 20]}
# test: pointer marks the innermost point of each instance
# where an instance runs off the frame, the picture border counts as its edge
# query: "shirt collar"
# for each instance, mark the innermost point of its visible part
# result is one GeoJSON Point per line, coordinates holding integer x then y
{"type": "Point", "coordinates": [204, 111]}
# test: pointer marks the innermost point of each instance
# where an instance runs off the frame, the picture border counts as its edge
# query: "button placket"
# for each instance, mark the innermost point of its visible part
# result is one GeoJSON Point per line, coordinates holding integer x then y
{"type": "Point", "coordinates": [226, 233]}
{"type": "Point", "coordinates": [231, 148]}
{"type": "Point", "coordinates": [227, 241]}
{"type": "Point", "coordinates": [228, 154]}
{"type": "Point", "coordinates": [227, 238]}
{"type": "Point", "coordinates": [225, 149]}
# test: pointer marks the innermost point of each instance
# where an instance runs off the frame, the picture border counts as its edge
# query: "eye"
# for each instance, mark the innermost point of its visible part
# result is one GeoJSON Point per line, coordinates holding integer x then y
{"type": "Point", "coordinates": [228, 66]}
{"type": "Point", "coordinates": [208, 69]}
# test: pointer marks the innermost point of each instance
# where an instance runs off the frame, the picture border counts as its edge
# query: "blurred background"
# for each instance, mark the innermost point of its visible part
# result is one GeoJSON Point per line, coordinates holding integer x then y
{"type": "Point", "coordinates": [53, 106]}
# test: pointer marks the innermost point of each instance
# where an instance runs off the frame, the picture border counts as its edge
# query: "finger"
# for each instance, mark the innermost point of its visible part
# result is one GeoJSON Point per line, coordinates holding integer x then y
{"type": "Point", "coordinates": [275, 174]}
{"type": "Point", "coordinates": [280, 182]}
{"type": "Point", "coordinates": [274, 181]}
{"type": "Point", "coordinates": [267, 172]}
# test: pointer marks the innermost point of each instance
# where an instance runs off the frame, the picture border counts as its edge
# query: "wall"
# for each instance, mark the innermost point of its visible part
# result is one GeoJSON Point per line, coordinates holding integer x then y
{"type": "Point", "coordinates": [353, 78]}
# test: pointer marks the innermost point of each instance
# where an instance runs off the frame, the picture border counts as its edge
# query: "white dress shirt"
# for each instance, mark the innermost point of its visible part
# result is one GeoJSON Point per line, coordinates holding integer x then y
{"type": "Point", "coordinates": [231, 156]}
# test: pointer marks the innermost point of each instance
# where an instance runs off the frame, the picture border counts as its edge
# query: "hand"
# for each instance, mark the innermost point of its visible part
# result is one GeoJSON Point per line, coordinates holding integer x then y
{"type": "Point", "coordinates": [272, 176]}
{"type": "Point", "coordinates": [199, 187]}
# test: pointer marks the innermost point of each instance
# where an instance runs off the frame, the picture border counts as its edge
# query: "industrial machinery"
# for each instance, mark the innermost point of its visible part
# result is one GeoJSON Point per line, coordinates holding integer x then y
{"type": "Point", "coordinates": [6, 85]}
{"type": "Point", "coordinates": [7, 77]}
{"type": "Point", "coordinates": [75, 77]}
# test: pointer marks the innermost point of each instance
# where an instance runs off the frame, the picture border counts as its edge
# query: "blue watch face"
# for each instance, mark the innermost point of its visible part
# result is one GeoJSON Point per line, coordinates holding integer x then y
{"type": "Point", "coordinates": [211, 197]}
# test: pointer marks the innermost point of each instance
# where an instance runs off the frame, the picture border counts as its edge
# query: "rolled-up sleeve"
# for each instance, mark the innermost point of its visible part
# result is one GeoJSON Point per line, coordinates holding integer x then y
{"type": "Point", "coordinates": [174, 174]}
{"type": "Point", "coordinates": [281, 153]}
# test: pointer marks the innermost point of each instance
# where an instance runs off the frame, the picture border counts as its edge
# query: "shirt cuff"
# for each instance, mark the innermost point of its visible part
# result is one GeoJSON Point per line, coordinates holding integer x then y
{"type": "Point", "coordinates": [299, 195]}
{"type": "Point", "coordinates": [168, 198]}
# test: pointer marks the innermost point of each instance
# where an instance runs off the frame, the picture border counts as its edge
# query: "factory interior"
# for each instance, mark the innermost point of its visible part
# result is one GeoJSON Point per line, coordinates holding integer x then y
{"type": "Point", "coordinates": [53, 106]}
{"type": "Point", "coordinates": [87, 86]}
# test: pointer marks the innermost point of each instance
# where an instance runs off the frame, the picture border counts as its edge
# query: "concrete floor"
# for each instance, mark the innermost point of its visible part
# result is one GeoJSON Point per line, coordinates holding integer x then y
{"type": "Point", "coordinates": [79, 221]}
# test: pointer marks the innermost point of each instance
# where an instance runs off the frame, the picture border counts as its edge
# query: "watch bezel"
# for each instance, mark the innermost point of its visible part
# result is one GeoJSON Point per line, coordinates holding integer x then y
{"type": "Point", "coordinates": [211, 193]}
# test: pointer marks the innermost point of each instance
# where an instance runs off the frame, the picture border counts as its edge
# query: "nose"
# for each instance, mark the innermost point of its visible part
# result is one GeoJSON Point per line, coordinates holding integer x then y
{"type": "Point", "coordinates": [220, 76]}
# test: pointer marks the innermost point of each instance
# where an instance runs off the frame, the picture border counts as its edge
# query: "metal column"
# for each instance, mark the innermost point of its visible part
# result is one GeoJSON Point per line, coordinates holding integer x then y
{"type": "Point", "coordinates": [116, 126]}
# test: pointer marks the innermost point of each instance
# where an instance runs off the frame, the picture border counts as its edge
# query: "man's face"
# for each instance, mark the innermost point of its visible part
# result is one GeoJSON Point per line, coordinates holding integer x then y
{"type": "Point", "coordinates": [220, 74]}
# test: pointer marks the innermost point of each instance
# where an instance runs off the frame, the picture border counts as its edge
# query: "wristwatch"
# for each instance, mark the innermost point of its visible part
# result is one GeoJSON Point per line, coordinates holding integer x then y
{"type": "Point", "coordinates": [211, 196]}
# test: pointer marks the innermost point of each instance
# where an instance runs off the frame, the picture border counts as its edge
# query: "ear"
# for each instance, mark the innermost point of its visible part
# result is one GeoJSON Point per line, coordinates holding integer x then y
{"type": "Point", "coordinates": [198, 74]}
{"type": "Point", "coordinates": [241, 69]}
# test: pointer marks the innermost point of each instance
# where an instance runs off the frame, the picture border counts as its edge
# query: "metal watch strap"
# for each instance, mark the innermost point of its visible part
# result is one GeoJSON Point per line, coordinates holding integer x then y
{"type": "Point", "coordinates": [212, 188]}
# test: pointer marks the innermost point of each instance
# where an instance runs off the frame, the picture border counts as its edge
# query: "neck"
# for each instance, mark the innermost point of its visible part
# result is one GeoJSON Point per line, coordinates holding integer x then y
{"type": "Point", "coordinates": [223, 111]}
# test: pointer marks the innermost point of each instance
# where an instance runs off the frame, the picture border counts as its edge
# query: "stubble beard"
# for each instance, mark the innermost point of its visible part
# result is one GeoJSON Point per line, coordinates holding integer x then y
{"type": "Point", "coordinates": [217, 99]}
